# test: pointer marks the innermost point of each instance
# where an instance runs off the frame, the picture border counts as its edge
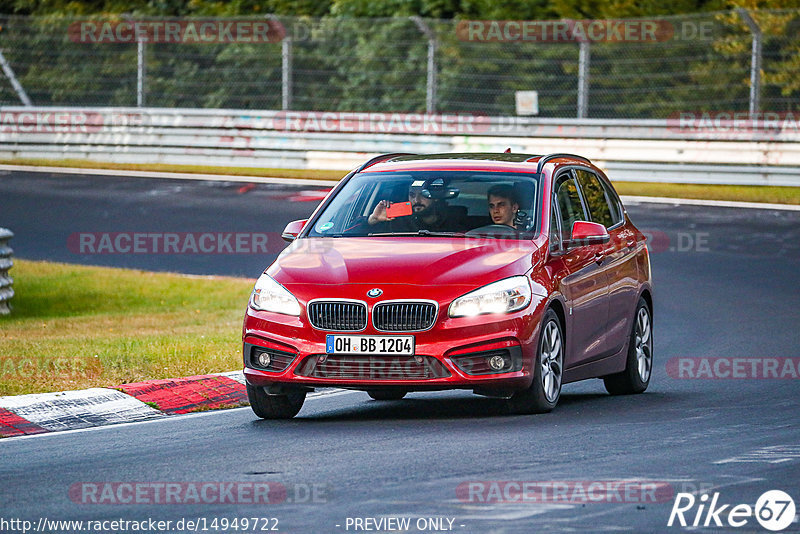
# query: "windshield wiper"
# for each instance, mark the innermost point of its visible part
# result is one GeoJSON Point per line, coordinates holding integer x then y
{"type": "Point", "coordinates": [440, 234]}
{"type": "Point", "coordinates": [423, 232]}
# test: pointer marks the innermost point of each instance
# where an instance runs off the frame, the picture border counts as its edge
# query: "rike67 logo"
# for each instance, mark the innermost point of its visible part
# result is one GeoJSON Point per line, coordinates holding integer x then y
{"type": "Point", "coordinates": [774, 510]}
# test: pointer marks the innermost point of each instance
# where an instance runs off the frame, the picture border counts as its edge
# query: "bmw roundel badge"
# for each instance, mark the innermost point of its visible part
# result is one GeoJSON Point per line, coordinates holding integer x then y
{"type": "Point", "coordinates": [374, 292]}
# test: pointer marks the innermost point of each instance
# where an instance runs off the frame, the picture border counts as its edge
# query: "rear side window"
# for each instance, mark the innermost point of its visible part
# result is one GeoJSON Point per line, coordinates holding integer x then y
{"type": "Point", "coordinates": [602, 207]}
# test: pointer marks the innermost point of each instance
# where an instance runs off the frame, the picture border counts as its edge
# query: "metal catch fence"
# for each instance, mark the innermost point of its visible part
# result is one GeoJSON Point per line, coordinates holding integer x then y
{"type": "Point", "coordinates": [654, 68]}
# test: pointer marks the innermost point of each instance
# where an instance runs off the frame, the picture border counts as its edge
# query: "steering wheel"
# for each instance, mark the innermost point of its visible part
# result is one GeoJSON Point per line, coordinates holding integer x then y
{"type": "Point", "coordinates": [493, 229]}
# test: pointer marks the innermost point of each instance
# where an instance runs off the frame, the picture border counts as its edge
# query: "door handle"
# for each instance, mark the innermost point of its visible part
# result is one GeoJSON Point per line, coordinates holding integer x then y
{"type": "Point", "coordinates": [631, 243]}
{"type": "Point", "coordinates": [599, 257]}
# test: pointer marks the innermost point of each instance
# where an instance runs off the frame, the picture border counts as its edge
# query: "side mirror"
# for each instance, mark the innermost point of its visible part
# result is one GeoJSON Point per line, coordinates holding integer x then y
{"type": "Point", "coordinates": [588, 233]}
{"type": "Point", "coordinates": [293, 229]}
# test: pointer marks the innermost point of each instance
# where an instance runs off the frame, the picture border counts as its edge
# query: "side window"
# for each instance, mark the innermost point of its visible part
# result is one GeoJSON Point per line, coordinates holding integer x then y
{"type": "Point", "coordinates": [569, 204]}
{"type": "Point", "coordinates": [597, 198]}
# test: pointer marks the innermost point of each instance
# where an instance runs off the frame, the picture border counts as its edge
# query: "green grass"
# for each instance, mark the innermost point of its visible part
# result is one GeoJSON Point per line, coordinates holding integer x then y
{"type": "Point", "coordinates": [744, 193]}
{"type": "Point", "coordinates": [74, 327]}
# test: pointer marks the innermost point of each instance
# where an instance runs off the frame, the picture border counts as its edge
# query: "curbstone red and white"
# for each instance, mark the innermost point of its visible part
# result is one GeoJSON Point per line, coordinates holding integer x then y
{"type": "Point", "coordinates": [140, 401]}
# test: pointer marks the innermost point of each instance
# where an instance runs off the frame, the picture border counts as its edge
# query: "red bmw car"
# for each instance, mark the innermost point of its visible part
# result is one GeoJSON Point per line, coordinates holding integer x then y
{"type": "Point", "coordinates": [505, 274]}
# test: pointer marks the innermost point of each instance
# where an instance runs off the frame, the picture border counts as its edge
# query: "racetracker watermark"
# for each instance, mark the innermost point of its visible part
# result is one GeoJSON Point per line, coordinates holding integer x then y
{"type": "Point", "coordinates": [588, 31]}
{"type": "Point", "coordinates": [397, 123]}
{"type": "Point", "coordinates": [200, 31]}
{"type": "Point", "coordinates": [734, 122]}
{"type": "Point", "coordinates": [168, 493]}
{"type": "Point", "coordinates": [175, 243]}
{"type": "Point", "coordinates": [52, 364]}
{"type": "Point", "coordinates": [734, 368]}
{"type": "Point", "coordinates": [565, 31]}
{"type": "Point", "coordinates": [658, 241]}
{"type": "Point", "coordinates": [368, 367]}
{"type": "Point", "coordinates": [51, 122]}
{"type": "Point", "coordinates": [564, 491]}
{"type": "Point", "coordinates": [272, 243]}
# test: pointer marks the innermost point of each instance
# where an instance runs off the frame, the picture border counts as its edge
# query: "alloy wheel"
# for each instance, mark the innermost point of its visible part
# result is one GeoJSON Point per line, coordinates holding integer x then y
{"type": "Point", "coordinates": [644, 344]}
{"type": "Point", "coordinates": [551, 361]}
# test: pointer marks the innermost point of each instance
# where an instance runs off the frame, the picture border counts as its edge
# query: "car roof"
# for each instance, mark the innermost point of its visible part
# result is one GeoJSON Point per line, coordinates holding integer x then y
{"type": "Point", "coordinates": [478, 161]}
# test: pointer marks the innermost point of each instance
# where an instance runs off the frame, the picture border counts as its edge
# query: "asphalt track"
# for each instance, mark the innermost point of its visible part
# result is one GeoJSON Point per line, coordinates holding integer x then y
{"type": "Point", "coordinates": [726, 286]}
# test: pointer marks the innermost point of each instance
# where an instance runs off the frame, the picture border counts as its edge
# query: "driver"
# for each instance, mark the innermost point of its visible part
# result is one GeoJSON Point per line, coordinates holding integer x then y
{"type": "Point", "coordinates": [427, 213]}
{"type": "Point", "coordinates": [503, 205]}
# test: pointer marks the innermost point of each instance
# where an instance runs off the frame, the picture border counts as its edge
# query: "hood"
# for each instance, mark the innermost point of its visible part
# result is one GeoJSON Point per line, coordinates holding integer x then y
{"type": "Point", "coordinates": [422, 261]}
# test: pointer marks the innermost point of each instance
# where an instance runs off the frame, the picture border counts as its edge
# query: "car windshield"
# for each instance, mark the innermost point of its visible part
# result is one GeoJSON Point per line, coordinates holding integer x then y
{"type": "Point", "coordinates": [433, 203]}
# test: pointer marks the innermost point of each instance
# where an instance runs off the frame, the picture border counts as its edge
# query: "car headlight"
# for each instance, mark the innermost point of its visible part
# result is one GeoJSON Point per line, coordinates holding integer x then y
{"type": "Point", "coordinates": [269, 295]}
{"type": "Point", "coordinates": [504, 296]}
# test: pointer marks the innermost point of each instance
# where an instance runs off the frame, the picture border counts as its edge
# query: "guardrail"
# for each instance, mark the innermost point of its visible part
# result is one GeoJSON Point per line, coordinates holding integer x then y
{"type": "Point", "coordinates": [689, 149]}
{"type": "Point", "coordinates": [6, 291]}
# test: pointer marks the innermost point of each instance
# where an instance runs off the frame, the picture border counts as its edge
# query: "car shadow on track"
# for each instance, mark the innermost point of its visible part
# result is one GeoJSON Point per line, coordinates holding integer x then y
{"type": "Point", "coordinates": [474, 407]}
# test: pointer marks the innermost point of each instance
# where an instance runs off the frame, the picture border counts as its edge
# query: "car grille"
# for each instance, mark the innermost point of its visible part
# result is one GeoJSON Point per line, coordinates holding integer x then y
{"type": "Point", "coordinates": [373, 367]}
{"type": "Point", "coordinates": [339, 316]}
{"type": "Point", "coordinates": [404, 316]}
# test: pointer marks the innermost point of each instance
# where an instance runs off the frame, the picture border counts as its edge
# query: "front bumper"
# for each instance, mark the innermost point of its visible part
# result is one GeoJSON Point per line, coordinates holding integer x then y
{"type": "Point", "coordinates": [451, 355]}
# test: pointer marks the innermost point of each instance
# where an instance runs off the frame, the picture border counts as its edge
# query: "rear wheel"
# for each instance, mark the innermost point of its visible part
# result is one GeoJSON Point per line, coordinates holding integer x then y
{"type": "Point", "coordinates": [639, 364]}
{"type": "Point", "coordinates": [545, 390]}
{"type": "Point", "coordinates": [386, 394]}
{"type": "Point", "coordinates": [267, 406]}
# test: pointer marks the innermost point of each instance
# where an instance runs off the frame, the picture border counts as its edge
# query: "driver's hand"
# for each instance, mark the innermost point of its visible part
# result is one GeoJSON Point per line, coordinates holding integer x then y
{"type": "Point", "coordinates": [379, 213]}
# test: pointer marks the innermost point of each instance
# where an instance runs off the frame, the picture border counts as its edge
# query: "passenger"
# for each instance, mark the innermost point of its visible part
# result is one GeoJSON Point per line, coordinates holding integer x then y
{"type": "Point", "coordinates": [503, 205]}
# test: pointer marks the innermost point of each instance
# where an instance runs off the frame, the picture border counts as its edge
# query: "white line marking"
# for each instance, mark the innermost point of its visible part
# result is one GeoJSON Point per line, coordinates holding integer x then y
{"type": "Point", "coordinates": [331, 393]}
{"type": "Point", "coordinates": [507, 512]}
{"type": "Point", "coordinates": [774, 455]}
{"type": "Point", "coordinates": [312, 396]}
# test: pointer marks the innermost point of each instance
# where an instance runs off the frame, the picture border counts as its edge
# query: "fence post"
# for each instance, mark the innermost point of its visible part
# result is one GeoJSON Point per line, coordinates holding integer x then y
{"type": "Point", "coordinates": [430, 99]}
{"type": "Point", "coordinates": [6, 291]}
{"type": "Point", "coordinates": [286, 73]}
{"type": "Point", "coordinates": [755, 62]}
{"type": "Point", "coordinates": [141, 72]}
{"type": "Point", "coordinates": [9, 72]}
{"type": "Point", "coordinates": [286, 67]}
{"type": "Point", "coordinates": [584, 58]}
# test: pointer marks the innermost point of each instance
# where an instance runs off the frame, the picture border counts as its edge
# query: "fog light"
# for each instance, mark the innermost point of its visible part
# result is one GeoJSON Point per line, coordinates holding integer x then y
{"type": "Point", "coordinates": [264, 359]}
{"type": "Point", "coordinates": [497, 362]}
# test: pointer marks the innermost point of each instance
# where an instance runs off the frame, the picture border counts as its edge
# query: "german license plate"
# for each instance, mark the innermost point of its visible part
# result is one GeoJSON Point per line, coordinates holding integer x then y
{"type": "Point", "coordinates": [397, 345]}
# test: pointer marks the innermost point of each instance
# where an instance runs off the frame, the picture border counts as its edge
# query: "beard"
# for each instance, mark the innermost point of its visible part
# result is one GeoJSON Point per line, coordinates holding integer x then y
{"type": "Point", "coordinates": [420, 210]}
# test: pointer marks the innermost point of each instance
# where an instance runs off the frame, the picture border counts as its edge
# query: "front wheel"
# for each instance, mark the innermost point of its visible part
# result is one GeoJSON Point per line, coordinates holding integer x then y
{"type": "Point", "coordinates": [275, 406]}
{"type": "Point", "coordinates": [545, 390]}
{"type": "Point", "coordinates": [639, 363]}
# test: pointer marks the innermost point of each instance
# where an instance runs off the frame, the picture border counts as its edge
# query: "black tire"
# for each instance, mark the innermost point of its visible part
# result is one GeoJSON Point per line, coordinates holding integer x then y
{"type": "Point", "coordinates": [542, 396]}
{"type": "Point", "coordinates": [275, 406]}
{"type": "Point", "coordinates": [639, 362]}
{"type": "Point", "coordinates": [386, 394]}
